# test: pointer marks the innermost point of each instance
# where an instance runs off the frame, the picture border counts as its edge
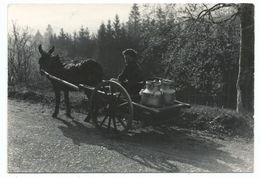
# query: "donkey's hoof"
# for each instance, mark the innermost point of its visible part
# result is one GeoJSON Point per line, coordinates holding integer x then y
{"type": "Point", "coordinates": [54, 115]}
{"type": "Point", "coordinates": [69, 116]}
{"type": "Point", "coordinates": [87, 119]}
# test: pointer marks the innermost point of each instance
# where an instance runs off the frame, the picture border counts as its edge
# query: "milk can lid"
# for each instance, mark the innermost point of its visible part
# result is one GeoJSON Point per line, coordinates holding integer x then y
{"type": "Point", "coordinates": [167, 82]}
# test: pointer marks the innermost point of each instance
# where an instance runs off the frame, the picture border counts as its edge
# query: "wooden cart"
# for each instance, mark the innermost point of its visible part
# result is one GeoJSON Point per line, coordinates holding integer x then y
{"type": "Point", "coordinates": [112, 109]}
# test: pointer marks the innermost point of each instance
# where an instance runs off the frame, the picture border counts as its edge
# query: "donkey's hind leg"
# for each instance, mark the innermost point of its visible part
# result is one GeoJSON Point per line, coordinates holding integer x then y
{"type": "Point", "coordinates": [87, 119]}
{"type": "Point", "coordinates": [67, 102]}
{"type": "Point", "coordinates": [57, 100]}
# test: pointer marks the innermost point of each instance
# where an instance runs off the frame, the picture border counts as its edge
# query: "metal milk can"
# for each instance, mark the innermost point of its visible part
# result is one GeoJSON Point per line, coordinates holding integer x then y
{"type": "Point", "coordinates": [145, 93]}
{"type": "Point", "coordinates": [151, 95]}
{"type": "Point", "coordinates": [156, 98]}
{"type": "Point", "coordinates": [168, 92]}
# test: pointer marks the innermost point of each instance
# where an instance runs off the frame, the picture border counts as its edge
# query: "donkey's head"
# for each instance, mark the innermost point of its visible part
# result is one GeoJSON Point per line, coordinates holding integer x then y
{"type": "Point", "coordinates": [47, 61]}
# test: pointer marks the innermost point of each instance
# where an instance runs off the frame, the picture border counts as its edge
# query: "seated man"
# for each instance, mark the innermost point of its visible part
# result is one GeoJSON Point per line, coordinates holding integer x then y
{"type": "Point", "coordinates": [132, 76]}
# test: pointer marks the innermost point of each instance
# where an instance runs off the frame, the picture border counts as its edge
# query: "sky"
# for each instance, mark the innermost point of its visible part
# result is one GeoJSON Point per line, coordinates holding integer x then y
{"type": "Point", "coordinates": [69, 17]}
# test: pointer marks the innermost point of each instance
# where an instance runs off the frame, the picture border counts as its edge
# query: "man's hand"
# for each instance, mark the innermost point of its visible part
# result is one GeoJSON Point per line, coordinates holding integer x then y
{"type": "Point", "coordinates": [114, 79]}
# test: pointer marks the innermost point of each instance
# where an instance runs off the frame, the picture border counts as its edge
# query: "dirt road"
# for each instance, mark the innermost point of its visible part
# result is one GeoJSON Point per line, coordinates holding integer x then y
{"type": "Point", "coordinates": [39, 143]}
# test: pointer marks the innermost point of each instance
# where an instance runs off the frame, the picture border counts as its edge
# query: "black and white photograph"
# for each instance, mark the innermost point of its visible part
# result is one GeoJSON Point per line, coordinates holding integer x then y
{"type": "Point", "coordinates": [130, 87]}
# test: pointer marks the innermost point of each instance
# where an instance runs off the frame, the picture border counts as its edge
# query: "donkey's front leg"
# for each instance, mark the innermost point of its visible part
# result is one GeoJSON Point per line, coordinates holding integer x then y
{"type": "Point", "coordinates": [57, 100]}
{"type": "Point", "coordinates": [67, 102]}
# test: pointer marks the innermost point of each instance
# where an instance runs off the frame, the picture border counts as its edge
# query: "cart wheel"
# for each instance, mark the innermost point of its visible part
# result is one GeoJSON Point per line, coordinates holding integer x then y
{"type": "Point", "coordinates": [111, 107]}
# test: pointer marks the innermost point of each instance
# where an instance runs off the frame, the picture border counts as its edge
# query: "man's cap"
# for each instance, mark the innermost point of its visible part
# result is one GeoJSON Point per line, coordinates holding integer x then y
{"type": "Point", "coordinates": [130, 52]}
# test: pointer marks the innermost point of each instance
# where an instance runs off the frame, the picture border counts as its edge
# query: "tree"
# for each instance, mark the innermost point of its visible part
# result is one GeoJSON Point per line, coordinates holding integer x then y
{"type": "Point", "coordinates": [38, 38]}
{"type": "Point", "coordinates": [245, 80]}
{"type": "Point", "coordinates": [84, 43]}
{"type": "Point", "coordinates": [154, 38]}
{"type": "Point", "coordinates": [201, 42]}
{"type": "Point", "coordinates": [47, 35]}
{"type": "Point", "coordinates": [21, 51]}
{"type": "Point", "coordinates": [101, 45]}
{"type": "Point", "coordinates": [134, 20]}
{"type": "Point", "coordinates": [101, 33]}
{"type": "Point", "coordinates": [109, 31]}
{"type": "Point", "coordinates": [116, 28]}
{"type": "Point", "coordinates": [134, 26]}
{"type": "Point", "coordinates": [62, 36]}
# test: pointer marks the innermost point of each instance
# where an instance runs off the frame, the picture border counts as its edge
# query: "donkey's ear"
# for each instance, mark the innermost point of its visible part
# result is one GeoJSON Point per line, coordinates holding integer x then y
{"type": "Point", "coordinates": [40, 49]}
{"type": "Point", "coordinates": [51, 50]}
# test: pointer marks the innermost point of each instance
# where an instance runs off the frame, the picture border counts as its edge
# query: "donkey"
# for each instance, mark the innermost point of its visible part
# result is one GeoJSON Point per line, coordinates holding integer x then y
{"type": "Point", "coordinates": [87, 72]}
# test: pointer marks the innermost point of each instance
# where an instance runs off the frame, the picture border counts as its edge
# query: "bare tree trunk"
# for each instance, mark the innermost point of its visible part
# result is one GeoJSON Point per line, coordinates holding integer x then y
{"type": "Point", "coordinates": [245, 80]}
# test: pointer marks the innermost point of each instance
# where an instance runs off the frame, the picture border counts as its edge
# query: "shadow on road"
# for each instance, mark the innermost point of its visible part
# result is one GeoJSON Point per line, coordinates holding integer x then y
{"type": "Point", "coordinates": [161, 150]}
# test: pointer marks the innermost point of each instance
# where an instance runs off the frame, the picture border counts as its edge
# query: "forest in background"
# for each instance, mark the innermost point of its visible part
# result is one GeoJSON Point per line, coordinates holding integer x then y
{"type": "Point", "coordinates": [201, 55]}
